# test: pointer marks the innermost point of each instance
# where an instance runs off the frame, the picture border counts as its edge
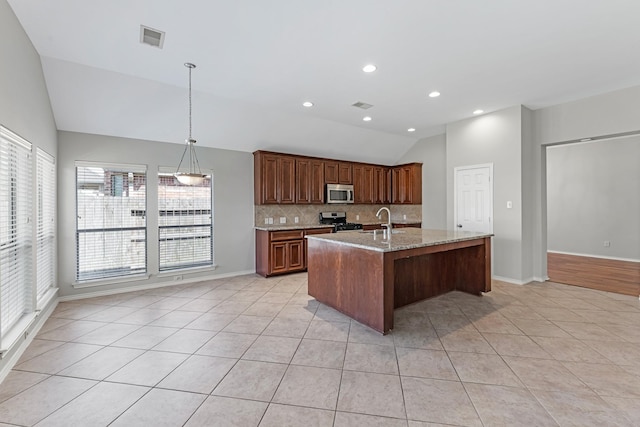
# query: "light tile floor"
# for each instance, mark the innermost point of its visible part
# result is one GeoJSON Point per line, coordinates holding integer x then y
{"type": "Point", "coordinates": [249, 351]}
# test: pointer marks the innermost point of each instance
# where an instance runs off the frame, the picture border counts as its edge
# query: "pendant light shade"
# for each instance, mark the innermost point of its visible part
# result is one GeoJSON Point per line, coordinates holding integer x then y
{"type": "Point", "coordinates": [194, 175]}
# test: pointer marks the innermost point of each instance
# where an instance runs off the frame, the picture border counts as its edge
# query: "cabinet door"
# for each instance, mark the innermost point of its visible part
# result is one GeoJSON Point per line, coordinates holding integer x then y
{"type": "Point", "coordinates": [279, 257]}
{"type": "Point", "coordinates": [296, 255]}
{"type": "Point", "coordinates": [344, 173]}
{"type": "Point", "coordinates": [287, 178]}
{"type": "Point", "coordinates": [381, 185]}
{"type": "Point", "coordinates": [397, 186]}
{"type": "Point", "coordinates": [331, 172]}
{"type": "Point", "coordinates": [303, 181]}
{"type": "Point", "coordinates": [363, 183]}
{"type": "Point", "coordinates": [316, 189]}
{"type": "Point", "coordinates": [269, 176]}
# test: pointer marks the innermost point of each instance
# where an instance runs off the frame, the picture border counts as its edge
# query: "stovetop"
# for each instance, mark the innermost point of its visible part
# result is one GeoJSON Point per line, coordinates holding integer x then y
{"type": "Point", "coordinates": [339, 221]}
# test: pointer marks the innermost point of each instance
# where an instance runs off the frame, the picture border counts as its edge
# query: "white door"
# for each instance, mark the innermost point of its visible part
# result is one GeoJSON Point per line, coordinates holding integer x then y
{"type": "Point", "coordinates": [474, 198]}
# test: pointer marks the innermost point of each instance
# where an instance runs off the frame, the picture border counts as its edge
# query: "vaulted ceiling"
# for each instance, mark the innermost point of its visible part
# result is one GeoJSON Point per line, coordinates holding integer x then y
{"type": "Point", "coordinates": [258, 60]}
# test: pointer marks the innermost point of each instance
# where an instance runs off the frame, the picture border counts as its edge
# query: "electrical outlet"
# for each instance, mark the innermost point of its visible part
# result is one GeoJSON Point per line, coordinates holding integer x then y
{"type": "Point", "coordinates": [266, 220]}
{"type": "Point", "coordinates": [296, 220]}
{"type": "Point", "coordinates": [607, 244]}
{"type": "Point", "coordinates": [283, 220]}
{"type": "Point", "coordinates": [404, 217]}
{"type": "Point", "coordinates": [270, 220]}
{"type": "Point", "coordinates": [357, 217]}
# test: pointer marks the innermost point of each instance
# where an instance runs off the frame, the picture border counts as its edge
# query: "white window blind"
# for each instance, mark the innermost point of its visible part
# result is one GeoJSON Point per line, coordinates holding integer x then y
{"type": "Point", "coordinates": [111, 222]}
{"type": "Point", "coordinates": [185, 220]}
{"type": "Point", "coordinates": [46, 227]}
{"type": "Point", "coordinates": [15, 229]}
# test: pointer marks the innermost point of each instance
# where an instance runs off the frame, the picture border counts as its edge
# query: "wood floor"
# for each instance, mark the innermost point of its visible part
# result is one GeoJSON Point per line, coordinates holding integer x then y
{"type": "Point", "coordinates": [621, 277]}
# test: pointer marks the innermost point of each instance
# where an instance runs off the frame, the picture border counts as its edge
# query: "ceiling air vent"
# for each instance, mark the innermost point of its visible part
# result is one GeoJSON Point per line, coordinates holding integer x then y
{"type": "Point", "coordinates": [151, 37]}
{"type": "Point", "coordinates": [362, 105]}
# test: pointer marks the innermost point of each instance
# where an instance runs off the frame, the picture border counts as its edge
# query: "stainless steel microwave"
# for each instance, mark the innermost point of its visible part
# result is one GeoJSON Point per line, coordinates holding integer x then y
{"type": "Point", "coordinates": [339, 193]}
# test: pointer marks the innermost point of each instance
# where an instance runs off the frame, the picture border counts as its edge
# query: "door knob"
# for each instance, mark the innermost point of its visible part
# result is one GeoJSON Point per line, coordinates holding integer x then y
{"type": "Point", "coordinates": [459, 225]}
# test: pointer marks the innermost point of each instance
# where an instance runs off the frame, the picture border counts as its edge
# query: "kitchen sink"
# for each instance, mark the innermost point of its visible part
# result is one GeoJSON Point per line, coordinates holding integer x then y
{"type": "Point", "coordinates": [380, 231]}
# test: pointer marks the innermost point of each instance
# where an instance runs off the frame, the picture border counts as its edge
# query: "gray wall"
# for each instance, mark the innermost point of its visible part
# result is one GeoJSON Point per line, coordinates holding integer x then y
{"type": "Point", "coordinates": [432, 153]}
{"type": "Point", "coordinates": [234, 240]}
{"type": "Point", "coordinates": [494, 138]}
{"type": "Point", "coordinates": [593, 195]}
{"type": "Point", "coordinates": [24, 102]}
{"type": "Point", "coordinates": [607, 114]}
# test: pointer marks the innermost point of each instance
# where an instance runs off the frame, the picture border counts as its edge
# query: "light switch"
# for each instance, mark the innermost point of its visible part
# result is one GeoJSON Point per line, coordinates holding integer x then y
{"type": "Point", "coordinates": [296, 220]}
{"type": "Point", "coordinates": [509, 204]}
{"type": "Point", "coordinates": [283, 220]}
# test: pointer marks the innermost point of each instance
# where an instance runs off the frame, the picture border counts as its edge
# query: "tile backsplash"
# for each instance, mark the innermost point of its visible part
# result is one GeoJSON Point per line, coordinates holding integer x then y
{"type": "Point", "coordinates": [308, 214]}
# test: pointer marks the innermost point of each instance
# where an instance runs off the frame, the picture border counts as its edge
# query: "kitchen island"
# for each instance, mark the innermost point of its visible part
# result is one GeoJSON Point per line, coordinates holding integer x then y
{"type": "Point", "coordinates": [366, 276]}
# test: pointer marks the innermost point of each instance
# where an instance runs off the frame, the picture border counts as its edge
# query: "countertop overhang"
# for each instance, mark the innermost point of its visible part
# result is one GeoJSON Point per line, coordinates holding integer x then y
{"type": "Point", "coordinates": [401, 239]}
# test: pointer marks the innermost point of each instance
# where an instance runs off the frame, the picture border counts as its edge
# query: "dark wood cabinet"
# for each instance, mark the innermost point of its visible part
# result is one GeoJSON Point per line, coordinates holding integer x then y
{"type": "Point", "coordinates": [406, 184]}
{"type": "Point", "coordinates": [283, 251]}
{"type": "Point", "coordinates": [288, 179]}
{"type": "Point", "coordinates": [363, 180]}
{"type": "Point", "coordinates": [274, 178]}
{"type": "Point", "coordinates": [336, 172]}
{"type": "Point", "coordinates": [309, 181]}
{"type": "Point", "coordinates": [279, 252]}
{"type": "Point", "coordinates": [381, 185]}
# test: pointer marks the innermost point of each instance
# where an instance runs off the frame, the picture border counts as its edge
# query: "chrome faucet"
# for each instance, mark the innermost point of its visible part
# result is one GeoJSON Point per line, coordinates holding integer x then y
{"type": "Point", "coordinates": [386, 232]}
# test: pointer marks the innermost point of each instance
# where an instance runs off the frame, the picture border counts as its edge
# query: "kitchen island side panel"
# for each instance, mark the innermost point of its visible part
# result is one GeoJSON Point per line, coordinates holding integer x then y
{"type": "Point", "coordinates": [352, 281]}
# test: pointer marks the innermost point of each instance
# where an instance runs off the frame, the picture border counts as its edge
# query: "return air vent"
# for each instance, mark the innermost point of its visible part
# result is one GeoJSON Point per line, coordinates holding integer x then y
{"type": "Point", "coordinates": [362, 105]}
{"type": "Point", "coordinates": [151, 37]}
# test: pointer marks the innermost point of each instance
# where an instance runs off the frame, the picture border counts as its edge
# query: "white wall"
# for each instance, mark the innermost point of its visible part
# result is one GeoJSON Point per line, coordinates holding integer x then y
{"type": "Point", "coordinates": [234, 240]}
{"type": "Point", "coordinates": [494, 138]}
{"type": "Point", "coordinates": [432, 153]}
{"type": "Point", "coordinates": [593, 195]}
{"type": "Point", "coordinates": [24, 104]}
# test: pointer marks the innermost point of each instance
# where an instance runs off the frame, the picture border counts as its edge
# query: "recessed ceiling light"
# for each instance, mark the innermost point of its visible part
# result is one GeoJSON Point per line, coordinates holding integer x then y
{"type": "Point", "coordinates": [366, 118]}
{"type": "Point", "coordinates": [307, 104]}
{"type": "Point", "coordinates": [370, 68]}
{"type": "Point", "coordinates": [478, 112]}
{"type": "Point", "coordinates": [434, 94]}
{"type": "Point", "coordinates": [411, 130]}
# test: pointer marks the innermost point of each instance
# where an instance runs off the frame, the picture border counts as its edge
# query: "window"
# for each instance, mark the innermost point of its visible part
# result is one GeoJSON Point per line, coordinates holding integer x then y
{"type": "Point", "coordinates": [111, 233]}
{"type": "Point", "coordinates": [15, 229]}
{"type": "Point", "coordinates": [46, 227]}
{"type": "Point", "coordinates": [185, 223]}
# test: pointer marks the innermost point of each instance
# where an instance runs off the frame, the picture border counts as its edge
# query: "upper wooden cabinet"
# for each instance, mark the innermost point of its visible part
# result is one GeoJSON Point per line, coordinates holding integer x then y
{"type": "Point", "coordinates": [363, 184]}
{"type": "Point", "coordinates": [406, 184]}
{"type": "Point", "coordinates": [309, 181]}
{"type": "Point", "coordinates": [381, 185]}
{"type": "Point", "coordinates": [336, 172]}
{"type": "Point", "coordinates": [287, 179]}
{"type": "Point", "coordinates": [274, 178]}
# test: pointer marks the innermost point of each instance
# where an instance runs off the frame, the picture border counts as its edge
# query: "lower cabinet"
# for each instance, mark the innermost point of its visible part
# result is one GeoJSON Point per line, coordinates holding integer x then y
{"type": "Point", "coordinates": [284, 251]}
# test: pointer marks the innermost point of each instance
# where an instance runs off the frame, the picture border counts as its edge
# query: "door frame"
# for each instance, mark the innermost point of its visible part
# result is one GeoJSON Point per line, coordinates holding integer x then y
{"type": "Point", "coordinates": [455, 191]}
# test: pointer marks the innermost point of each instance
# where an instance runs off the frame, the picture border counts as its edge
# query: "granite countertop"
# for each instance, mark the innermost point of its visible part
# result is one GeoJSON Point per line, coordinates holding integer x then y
{"type": "Point", "coordinates": [283, 227]}
{"type": "Point", "coordinates": [406, 238]}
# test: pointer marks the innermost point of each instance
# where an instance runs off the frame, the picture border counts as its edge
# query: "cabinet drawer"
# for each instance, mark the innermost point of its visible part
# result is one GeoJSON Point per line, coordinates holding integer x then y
{"type": "Point", "coordinates": [286, 235]}
{"type": "Point", "coordinates": [311, 231]}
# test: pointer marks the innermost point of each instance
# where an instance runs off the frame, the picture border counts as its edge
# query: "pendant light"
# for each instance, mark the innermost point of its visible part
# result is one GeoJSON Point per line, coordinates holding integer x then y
{"type": "Point", "coordinates": [195, 175]}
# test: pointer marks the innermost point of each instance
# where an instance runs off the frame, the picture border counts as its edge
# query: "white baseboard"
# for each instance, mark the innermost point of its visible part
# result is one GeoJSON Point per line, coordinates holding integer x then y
{"type": "Point", "coordinates": [155, 285]}
{"type": "Point", "coordinates": [594, 256]}
{"type": "Point", "coordinates": [17, 349]}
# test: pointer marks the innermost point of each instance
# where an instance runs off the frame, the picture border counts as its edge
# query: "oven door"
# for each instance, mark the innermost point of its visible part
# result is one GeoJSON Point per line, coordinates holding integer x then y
{"type": "Point", "coordinates": [339, 193]}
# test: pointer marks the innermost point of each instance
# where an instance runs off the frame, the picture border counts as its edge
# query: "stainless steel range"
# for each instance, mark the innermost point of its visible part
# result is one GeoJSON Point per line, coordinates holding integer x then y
{"type": "Point", "coordinates": [339, 221]}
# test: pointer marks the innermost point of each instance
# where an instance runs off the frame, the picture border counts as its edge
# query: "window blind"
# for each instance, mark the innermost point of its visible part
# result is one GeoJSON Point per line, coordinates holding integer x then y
{"type": "Point", "coordinates": [185, 220]}
{"type": "Point", "coordinates": [46, 226]}
{"type": "Point", "coordinates": [111, 225]}
{"type": "Point", "coordinates": [15, 229]}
